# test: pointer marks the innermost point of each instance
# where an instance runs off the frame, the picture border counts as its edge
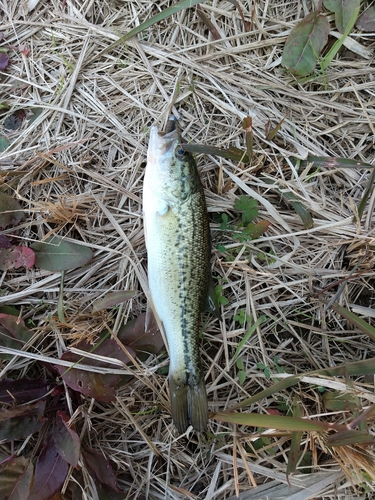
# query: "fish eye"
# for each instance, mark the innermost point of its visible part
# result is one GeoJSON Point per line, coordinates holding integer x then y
{"type": "Point", "coordinates": [180, 152]}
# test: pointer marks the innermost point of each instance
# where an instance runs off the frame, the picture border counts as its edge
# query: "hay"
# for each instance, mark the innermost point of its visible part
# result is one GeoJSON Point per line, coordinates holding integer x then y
{"type": "Point", "coordinates": [77, 168]}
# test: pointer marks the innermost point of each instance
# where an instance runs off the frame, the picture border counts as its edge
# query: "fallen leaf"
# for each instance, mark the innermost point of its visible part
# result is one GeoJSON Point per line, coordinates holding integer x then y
{"type": "Point", "coordinates": [10, 211]}
{"type": "Point", "coordinates": [35, 113]}
{"type": "Point", "coordinates": [13, 333]}
{"type": "Point", "coordinates": [344, 11]}
{"type": "Point", "coordinates": [14, 121]}
{"type": "Point", "coordinates": [50, 473]}
{"type": "Point", "coordinates": [4, 143]}
{"type": "Point", "coordinates": [4, 60]}
{"type": "Point", "coordinates": [16, 257]}
{"type": "Point", "coordinates": [56, 254]}
{"type": "Point", "coordinates": [5, 242]}
{"type": "Point", "coordinates": [100, 468]}
{"type": "Point", "coordinates": [19, 422]}
{"type": "Point", "coordinates": [305, 43]}
{"type": "Point", "coordinates": [66, 440]}
{"type": "Point", "coordinates": [24, 50]}
{"type": "Point", "coordinates": [366, 21]}
{"type": "Point", "coordinates": [22, 390]}
{"type": "Point", "coordinates": [135, 335]}
{"type": "Point", "coordinates": [15, 478]}
{"type": "Point", "coordinates": [112, 299]}
{"type": "Point", "coordinates": [96, 385]}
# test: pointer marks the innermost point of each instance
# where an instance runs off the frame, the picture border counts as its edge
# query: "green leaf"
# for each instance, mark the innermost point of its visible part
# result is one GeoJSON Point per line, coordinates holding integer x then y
{"type": "Point", "coordinates": [4, 143]}
{"type": "Point", "coordinates": [10, 210]}
{"type": "Point", "coordinates": [337, 45]}
{"type": "Point", "coordinates": [13, 333]}
{"type": "Point", "coordinates": [248, 207]}
{"type": "Point", "coordinates": [56, 254]}
{"type": "Point", "coordinates": [340, 401]}
{"type": "Point", "coordinates": [344, 11]}
{"type": "Point", "coordinates": [305, 43]}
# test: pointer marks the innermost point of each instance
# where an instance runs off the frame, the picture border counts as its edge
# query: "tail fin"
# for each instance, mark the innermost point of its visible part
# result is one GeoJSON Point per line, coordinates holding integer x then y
{"type": "Point", "coordinates": [188, 403]}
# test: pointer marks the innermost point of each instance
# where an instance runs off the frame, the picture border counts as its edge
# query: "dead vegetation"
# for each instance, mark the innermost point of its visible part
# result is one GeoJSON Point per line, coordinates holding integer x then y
{"type": "Point", "coordinates": [77, 168]}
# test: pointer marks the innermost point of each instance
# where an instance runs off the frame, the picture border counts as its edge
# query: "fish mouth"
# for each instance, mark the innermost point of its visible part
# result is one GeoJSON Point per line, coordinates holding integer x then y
{"type": "Point", "coordinates": [163, 142]}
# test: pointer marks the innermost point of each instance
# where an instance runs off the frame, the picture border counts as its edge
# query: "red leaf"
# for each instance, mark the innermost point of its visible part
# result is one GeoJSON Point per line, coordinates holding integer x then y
{"type": "Point", "coordinates": [24, 50]}
{"type": "Point", "coordinates": [4, 60]}
{"type": "Point", "coordinates": [66, 440]}
{"type": "Point", "coordinates": [15, 478]}
{"type": "Point", "coordinates": [100, 468]}
{"type": "Point", "coordinates": [50, 473]}
{"type": "Point", "coordinates": [5, 242]}
{"type": "Point", "coordinates": [13, 333]}
{"type": "Point", "coordinates": [95, 385]}
{"type": "Point", "coordinates": [16, 257]}
{"type": "Point", "coordinates": [22, 390]}
{"type": "Point", "coordinates": [21, 421]}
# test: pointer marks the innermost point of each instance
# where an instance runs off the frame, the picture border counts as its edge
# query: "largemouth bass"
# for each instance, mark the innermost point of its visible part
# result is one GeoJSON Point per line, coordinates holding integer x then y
{"type": "Point", "coordinates": [178, 253]}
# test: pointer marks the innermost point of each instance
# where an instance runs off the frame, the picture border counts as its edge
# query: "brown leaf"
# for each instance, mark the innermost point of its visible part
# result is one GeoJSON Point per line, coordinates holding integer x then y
{"type": "Point", "coordinates": [134, 335]}
{"type": "Point", "coordinates": [15, 478]}
{"type": "Point", "coordinates": [100, 468]}
{"type": "Point", "coordinates": [21, 421]}
{"type": "Point", "coordinates": [96, 385]}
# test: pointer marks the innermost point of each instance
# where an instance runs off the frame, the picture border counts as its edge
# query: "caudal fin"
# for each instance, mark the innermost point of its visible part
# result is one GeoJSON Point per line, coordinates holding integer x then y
{"type": "Point", "coordinates": [188, 404]}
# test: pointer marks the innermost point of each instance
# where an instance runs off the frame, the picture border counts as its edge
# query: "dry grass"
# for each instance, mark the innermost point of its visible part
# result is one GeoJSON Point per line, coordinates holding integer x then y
{"type": "Point", "coordinates": [78, 170]}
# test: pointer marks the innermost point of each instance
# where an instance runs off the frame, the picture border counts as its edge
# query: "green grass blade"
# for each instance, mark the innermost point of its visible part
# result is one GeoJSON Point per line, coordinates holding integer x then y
{"type": "Point", "coordinates": [326, 61]}
{"type": "Point", "coordinates": [248, 334]}
{"type": "Point", "coordinates": [364, 367]}
{"type": "Point", "coordinates": [355, 320]}
{"type": "Point", "coordinates": [332, 162]}
{"type": "Point", "coordinates": [293, 424]}
{"type": "Point", "coordinates": [299, 208]}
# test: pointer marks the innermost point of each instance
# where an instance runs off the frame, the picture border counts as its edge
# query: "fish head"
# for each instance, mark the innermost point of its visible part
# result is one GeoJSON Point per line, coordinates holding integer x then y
{"type": "Point", "coordinates": [172, 172]}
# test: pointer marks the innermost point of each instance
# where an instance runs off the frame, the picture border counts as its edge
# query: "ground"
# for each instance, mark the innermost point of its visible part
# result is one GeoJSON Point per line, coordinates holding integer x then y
{"type": "Point", "coordinates": [75, 162]}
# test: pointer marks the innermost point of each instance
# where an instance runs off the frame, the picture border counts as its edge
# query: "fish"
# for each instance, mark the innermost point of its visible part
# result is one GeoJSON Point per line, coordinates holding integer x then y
{"type": "Point", "coordinates": [177, 236]}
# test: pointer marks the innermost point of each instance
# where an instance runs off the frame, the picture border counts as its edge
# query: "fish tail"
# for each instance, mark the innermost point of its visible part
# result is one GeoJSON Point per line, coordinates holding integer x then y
{"type": "Point", "coordinates": [188, 403]}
